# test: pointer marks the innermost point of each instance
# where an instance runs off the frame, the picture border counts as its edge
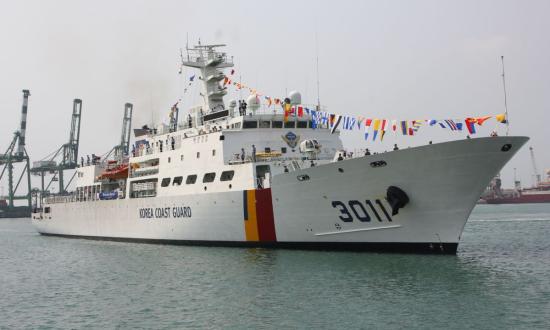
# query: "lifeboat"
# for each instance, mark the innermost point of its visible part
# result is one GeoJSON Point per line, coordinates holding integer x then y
{"type": "Point", "coordinates": [115, 173]}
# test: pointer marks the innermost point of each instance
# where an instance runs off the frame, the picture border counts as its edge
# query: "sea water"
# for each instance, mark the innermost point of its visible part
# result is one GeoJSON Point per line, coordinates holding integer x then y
{"type": "Point", "coordinates": [499, 279]}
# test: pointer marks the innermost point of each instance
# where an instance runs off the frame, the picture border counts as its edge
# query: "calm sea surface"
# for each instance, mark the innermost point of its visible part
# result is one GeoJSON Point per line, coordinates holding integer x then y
{"type": "Point", "coordinates": [500, 278]}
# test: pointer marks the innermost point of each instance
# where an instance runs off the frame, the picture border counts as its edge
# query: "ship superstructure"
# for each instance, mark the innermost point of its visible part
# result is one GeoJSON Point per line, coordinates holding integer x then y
{"type": "Point", "coordinates": [221, 176]}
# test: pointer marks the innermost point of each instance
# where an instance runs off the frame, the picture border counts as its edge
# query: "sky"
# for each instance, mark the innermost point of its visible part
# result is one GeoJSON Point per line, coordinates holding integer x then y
{"type": "Point", "coordinates": [379, 59]}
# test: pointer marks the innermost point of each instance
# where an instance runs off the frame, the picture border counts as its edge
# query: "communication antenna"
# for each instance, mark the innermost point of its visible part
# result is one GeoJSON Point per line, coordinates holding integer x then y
{"type": "Point", "coordinates": [317, 69]}
{"type": "Point", "coordinates": [505, 100]}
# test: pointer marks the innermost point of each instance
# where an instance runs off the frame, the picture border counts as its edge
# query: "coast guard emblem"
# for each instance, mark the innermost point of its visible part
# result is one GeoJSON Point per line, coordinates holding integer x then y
{"type": "Point", "coordinates": [291, 139]}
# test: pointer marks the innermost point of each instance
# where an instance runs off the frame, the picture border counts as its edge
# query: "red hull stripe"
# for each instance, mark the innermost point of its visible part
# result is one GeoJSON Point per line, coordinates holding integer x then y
{"type": "Point", "coordinates": [264, 212]}
{"type": "Point", "coordinates": [259, 223]}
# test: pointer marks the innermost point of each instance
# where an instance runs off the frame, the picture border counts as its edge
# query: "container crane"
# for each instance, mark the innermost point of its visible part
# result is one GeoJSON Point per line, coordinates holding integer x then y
{"type": "Point", "coordinates": [16, 153]}
{"type": "Point", "coordinates": [121, 150]}
{"type": "Point", "coordinates": [68, 154]}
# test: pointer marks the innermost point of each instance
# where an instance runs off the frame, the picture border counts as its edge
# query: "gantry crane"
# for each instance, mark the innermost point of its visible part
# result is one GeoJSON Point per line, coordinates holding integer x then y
{"type": "Point", "coordinates": [122, 149]}
{"type": "Point", "coordinates": [14, 155]}
{"type": "Point", "coordinates": [67, 154]}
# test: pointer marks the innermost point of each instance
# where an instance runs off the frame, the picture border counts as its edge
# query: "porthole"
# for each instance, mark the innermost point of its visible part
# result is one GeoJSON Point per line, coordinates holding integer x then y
{"type": "Point", "coordinates": [506, 147]}
{"type": "Point", "coordinates": [205, 188]}
{"type": "Point", "coordinates": [341, 170]}
{"type": "Point", "coordinates": [230, 186]}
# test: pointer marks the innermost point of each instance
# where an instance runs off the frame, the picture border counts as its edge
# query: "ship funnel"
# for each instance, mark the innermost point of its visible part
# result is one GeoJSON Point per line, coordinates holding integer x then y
{"type": "Point", "coordinates": [21, 142]}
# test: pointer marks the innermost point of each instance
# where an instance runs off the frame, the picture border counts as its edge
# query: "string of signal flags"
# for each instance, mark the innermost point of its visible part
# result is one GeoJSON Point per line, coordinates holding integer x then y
{"type": "Point", "coordinates": [373, 127]}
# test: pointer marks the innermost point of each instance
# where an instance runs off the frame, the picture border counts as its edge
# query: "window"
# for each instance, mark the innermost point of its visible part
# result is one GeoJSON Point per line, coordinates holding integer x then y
{"type": "Point", "coordinates": [250, 124]}
{"type": "Point", "coordinates": [267, 150]}
{"type": "Point", "coordinates": [198, 154]}
{"type": "Point", "coordinates": [191, 179]}
{"type": "Point", "coordinates": [213, 152]}
{"type": "Point", "coordinates": [165, 182]}
{"type": "Point", "coordinates": [265, 124]}
{"type": "Point", "coordinates": [277, 124]}
{"type": "Point", "coordinates": [227, 175]}
{"type": "Point", "coordinates": [181, 157]}
{"type": "Point", "coordinates": [290, 124]}
{"type": "Point", "coordinates": [209, 177]}
{"type": "Point", "coordinates": [169, 159]}
{"type": "Point", "coordinates": [302, 124]}
{"type": "Point", "coordinates": [47, 209]}
{"type": "Point", "coordinates": [283, 150]}
{"type": "Point", "coordinates": [177, 181]}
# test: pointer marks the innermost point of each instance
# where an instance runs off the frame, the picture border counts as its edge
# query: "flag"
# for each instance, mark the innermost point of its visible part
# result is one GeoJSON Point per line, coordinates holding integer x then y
{"type": "Point", "coordinates": [314, 119]}
{"type": "Point", "coordinates": [360, 121]}
{"type": "Point", "coordinates": [383, 129]}
{"type": "Point", "coordinates": [451, 124]}
{"type": "Point", "coordinates": [432, 122]}
{"type": "Point", "coordinates": [470, 125]}
{"type": "Point", "coordinates": [368, 122]}
{"type": "Point", "coordinates": [232, 71]}
{"type": "Point", "coordinates": [287, 111]}
{"type": "Point", "coordinates": [501, 118]}
{"type": "Point", "coordinates": [348, 122]}
{"type": "Point", "coordinates": [458, 124]}
{"type": "Point", "coordinates": [481, 120]}
{"type": "Point", "coordinates": [324, 118]}
{"type": "Point", "coordinates": [335, 121]}
{"type": "Point", "coordinates": [404, 127]}
{"type": "Point", "coordinates": [225, 80]}
{"type": "Point", "coordinates": [192, 78]}
{"type": "Point", "coordinates": [300, 111]}
{"type": "Point", "coordinates": [394, 125]}
{"type": "Point", "coordinates": [416, 124]}
{"type": "Point", "coordinates": [375, 127]}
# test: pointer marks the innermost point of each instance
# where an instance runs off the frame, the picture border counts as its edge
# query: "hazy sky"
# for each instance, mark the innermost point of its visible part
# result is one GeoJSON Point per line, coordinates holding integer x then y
{"type": "Point", "coordinates": [384, 59]}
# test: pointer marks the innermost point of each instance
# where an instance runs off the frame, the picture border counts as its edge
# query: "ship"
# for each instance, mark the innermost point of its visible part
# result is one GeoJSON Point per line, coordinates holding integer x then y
{"type": "Point", "coordinates": [539, 193]}
{"type": "Point", "coordinates": [243, 177]}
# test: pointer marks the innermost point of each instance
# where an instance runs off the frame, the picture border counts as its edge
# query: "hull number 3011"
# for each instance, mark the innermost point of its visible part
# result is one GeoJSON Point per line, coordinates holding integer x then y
{"type": "Point", "coordinates": [357, 210]}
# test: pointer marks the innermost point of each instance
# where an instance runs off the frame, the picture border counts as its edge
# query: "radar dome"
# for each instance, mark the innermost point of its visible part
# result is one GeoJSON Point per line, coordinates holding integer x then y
{"type": "Point", "coordinates": [253, 102]}
{"type": "Point", "coordinates": [295, 97]}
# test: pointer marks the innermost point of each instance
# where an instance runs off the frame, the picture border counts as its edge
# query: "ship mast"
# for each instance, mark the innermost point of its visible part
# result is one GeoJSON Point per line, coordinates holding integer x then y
{"type": "Point", "coordinates": [210, 64]}
{"type": "Point", "coordinates": [505, 99]}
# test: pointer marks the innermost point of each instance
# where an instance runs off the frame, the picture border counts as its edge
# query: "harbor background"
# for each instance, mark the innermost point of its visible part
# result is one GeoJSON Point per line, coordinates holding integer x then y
{"type": "Point", "coordinates": [500, 279]}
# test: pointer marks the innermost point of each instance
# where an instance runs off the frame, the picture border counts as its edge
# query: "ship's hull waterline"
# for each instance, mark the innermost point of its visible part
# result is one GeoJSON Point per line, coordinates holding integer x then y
{"type": "Point", "coordinates": [340, 205]}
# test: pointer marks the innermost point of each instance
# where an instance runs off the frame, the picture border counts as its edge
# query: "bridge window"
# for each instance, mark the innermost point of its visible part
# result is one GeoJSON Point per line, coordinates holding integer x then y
{"type": "Point", "coordinates": [227, 175]}
{"type": "Point", "coordinates": [277, 124]}
{"type": "Point", "coordinates": [265, 124]}
{"type": "Point", "coordinates": [302, 124]}
{"type": "Point", "coordinates": [165, 182]}
{"type": "Point", "coordinates": [250, 124]}
{"type": "Point", "coordinates": [290, 124]}
{"type": "Point", "coordinates": [209, 177]}
{"type": "Point", "coordinates": [283, 150]}
{"type": "Point", "coordinates": [191, 179]}
{"type": "Point", "coordinates": [177, 181]}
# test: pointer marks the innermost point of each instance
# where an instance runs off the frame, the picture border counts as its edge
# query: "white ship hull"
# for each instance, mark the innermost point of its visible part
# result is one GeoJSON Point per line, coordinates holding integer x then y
{"type": "Point", "coordinates": [443, 182]}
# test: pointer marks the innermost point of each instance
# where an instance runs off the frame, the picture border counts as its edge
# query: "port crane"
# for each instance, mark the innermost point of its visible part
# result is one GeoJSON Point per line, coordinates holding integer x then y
{"type": "Point", "coordinates": [17, 154]}
{"type": "Point", "coordinates": [122, 149]}
{"type": "Point", "coordinates": [67, 155]}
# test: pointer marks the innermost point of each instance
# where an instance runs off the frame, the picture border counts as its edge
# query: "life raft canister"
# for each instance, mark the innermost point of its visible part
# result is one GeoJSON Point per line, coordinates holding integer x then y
{"type": "Point", "coordinates": [397, 199]}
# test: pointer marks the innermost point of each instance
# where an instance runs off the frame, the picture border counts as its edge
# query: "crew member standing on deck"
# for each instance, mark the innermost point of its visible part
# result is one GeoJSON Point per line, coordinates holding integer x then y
{"type": "Point", "coordinates": [254, 153]}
